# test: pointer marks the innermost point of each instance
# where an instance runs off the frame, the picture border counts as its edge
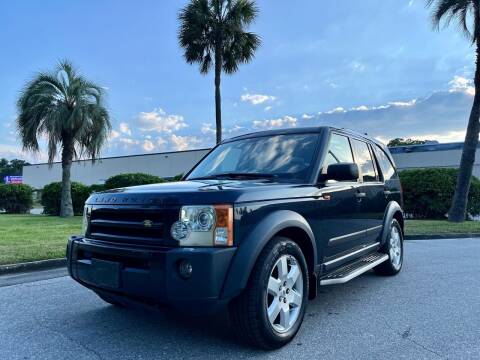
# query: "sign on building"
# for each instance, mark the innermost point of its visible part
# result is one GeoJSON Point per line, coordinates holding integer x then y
{"type": "Point", "coordinates": [13, 179]}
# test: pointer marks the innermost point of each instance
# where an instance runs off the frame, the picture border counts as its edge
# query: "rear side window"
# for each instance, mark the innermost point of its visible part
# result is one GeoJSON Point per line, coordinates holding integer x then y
{"type": "Point", "coordinates": [339, 151]}
{"type": "Point", "coordinates": [385, 164]}
{"type": "Point", "coordinates": [364, 160]}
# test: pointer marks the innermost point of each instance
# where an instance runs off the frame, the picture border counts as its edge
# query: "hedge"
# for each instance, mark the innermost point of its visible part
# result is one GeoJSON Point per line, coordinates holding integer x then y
{"type": "Point", "coordinates": [125, 180]}
{"type": "Point", "coordinates": [428, 192]}
{"type": "Point", "coordinates": [16, 198]}
{"type": "Point", "coordinates": [52, 194]}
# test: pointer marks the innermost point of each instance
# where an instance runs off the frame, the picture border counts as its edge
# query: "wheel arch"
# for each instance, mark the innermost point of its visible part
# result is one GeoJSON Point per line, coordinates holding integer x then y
{"type": "Point", "coordinates": [393, 211]}
{"type": "Point", "coordinates": [285, 223]}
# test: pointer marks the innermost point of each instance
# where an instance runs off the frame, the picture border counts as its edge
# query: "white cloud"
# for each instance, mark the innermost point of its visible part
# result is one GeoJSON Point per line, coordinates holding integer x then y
{"type": "Point", "coordinates": [340, 110]}
{"type": "Point", "coordinates": [181, 143]}
{"type": "Point", "coordinates": [114, 135]}
{"type": "Point", "coordinates": [360, 108]}
{"type": "Point", "coordinates": [125, 129]}
{"type": "Point", "coordinates": [128, 142]}
{"type": "Point", "coordinates": [403, 103]}
{"type": "Point", "coordinates": [148, 145]}
{"type": "Point", "coordinates": [268, 108]}
{"type": "Point", "coordinates": [410, 3]}
{"type": "Point", "coordinates": [336, 110]}
{"type": "Point", "coordinates": [307, 117]}
{"type": "Point", "coordinates": [461, 84]}
{"type": "Point", "coordinates": [256, 99]}
{"type": "Point", "coordinates": [207, 129]}
{"type": "Point", "coordinates": [289, 121]}
{"type": "Point", "coordinates": [158, 120]}
{"type": "Point", "coordinates": [234, 129]}
{"type": "Point", "coordinates": [357, 66]}
{"type": "Point", "coordinates": [161, 142]}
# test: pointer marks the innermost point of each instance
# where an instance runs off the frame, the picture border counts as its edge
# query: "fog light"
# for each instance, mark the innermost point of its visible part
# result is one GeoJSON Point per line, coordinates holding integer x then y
{"type": "Point", "coordinates": [185, 269]}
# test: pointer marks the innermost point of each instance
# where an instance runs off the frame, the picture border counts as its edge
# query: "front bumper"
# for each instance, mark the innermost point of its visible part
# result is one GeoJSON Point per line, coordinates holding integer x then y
{"type": "Point", "coordinates": [151, 276]}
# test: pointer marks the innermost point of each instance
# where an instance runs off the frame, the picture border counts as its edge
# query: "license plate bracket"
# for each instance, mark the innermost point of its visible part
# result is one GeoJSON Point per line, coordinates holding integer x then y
{"type": "Point", "coordinates": [106, 273]}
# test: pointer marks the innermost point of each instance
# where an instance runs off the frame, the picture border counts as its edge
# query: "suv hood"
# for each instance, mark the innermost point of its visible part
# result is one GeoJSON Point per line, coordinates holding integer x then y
{"type": "Point", "coordinates": [201, 192]}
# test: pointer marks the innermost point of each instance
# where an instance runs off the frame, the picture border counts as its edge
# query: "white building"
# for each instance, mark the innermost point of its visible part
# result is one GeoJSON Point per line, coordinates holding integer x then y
{"type": "Point", "coordinates": [170, 164]}
{"type": "Point", "coordinates": [432, 155]}
{"type": "Point", "coordinates": [165, 165]}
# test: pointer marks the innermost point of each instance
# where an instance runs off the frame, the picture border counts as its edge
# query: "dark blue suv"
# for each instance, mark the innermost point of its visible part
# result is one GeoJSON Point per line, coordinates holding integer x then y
{"type": "Point", "coordinates": [257, 225]}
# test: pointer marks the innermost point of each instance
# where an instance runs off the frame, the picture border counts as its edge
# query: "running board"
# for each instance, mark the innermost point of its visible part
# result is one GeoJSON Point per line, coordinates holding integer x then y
{"type": "Point", "coordinates": [352, 270]}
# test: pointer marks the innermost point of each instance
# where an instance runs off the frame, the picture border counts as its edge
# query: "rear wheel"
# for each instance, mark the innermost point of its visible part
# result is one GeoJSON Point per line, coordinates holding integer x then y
{"type": "Point", "coordinates": [394, 249]}
{"type": "Point", "coordinates": [271, 309]}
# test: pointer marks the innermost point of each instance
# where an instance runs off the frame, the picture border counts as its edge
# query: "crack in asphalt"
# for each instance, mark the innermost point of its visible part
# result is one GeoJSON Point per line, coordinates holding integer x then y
{"type": "Point", "coordinates": [75, 341]}
{"type": "Point", "coordinates": [406, 335]}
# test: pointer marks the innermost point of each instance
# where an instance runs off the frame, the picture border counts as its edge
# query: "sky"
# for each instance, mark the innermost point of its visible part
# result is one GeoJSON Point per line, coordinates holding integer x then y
{"type": "Point", "coordinates": [374, 66]}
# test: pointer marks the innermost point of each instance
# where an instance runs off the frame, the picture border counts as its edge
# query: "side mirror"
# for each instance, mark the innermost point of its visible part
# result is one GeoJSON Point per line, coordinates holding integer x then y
{"type": "Point", "coordinates": [342, 172]}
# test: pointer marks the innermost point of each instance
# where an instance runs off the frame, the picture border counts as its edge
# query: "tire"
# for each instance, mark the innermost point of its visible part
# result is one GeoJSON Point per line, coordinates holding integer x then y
{"type": "Point", "coordinates": [272, 289]}
{"type": "Point", "coordinates": [394, 249]}
{"type": "Point", "coordinates": [109, 299]}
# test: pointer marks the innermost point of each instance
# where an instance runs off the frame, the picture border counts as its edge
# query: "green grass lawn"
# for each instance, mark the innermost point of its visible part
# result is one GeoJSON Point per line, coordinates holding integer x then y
{"type": "Point", "coordinates": [426, 227]}
{"type": "Point", "coordinates": [35, 237]}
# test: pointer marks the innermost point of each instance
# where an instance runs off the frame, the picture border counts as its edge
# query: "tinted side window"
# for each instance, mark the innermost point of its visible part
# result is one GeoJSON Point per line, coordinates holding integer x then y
{"type": "Point", "coordinates": [363, 158]}
{"type": "Point", "coordinates": [386, 166]}
{"type": "Point", "coordinates": [339, 151]}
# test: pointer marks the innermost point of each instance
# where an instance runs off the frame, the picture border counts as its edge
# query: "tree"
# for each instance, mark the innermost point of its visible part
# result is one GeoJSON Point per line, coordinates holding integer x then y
{"type": "Point", "coordinates": [406, 142]}
{"type": "Point", "coordinates": [68, 111]}
{"type": "Point", "coordinates": [212, 33]}
{"type": "Point", "coordinates": [461, 11]}
{"type": "Point", "coordinates": [11, 168]}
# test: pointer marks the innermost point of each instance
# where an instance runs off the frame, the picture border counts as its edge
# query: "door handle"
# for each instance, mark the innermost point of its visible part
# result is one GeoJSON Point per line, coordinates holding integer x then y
{"type": "Point", "coordinates": [360, 195]}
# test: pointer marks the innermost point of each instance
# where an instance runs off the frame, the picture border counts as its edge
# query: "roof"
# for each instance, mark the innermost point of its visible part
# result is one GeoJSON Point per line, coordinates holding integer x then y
{"type": "Point", "coordinates": [427, 147]}
{"type": "Point", "coordinates": [301, 130]}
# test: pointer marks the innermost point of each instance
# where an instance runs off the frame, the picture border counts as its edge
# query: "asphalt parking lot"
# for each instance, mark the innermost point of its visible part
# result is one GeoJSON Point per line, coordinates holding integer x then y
{"type": "Point", "coordinates": [431, 310]}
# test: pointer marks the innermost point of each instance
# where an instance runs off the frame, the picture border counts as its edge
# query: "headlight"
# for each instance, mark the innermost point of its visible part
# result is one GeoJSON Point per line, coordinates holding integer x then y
{"type": "Point", "coordinates": [204, 225]}
{"type": "Point", "coordinates": [86, 218]}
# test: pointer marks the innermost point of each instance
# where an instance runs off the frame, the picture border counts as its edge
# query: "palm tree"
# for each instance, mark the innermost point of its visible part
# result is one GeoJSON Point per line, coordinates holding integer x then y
{"type": "Point", "coordinates": [461, 11]}
{"type": "Point", "coordinates": [68, 111]}
{"type": "Point", "coordinates": [212, 33]}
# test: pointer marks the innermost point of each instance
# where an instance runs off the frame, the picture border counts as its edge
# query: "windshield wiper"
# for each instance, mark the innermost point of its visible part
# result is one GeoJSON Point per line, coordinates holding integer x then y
{"type": "Point", "coordinates": [237, 175]}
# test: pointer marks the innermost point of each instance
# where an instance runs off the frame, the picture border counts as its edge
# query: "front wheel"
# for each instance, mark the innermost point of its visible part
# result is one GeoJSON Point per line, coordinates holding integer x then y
{"type": "Point", "coordinates": [270, 311]}
{"type": "Point", "coordinates": [394, 249]}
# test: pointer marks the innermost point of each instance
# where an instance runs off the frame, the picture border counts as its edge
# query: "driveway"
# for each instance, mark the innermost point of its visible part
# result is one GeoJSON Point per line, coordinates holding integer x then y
{"type": "Point", "coordinates": [431, 310]}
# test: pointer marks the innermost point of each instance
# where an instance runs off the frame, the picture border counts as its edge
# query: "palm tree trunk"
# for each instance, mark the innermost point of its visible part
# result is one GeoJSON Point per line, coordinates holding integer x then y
{"type": "Point", "coordinates": [218, 96]}
{"type": "Point", "coordinates": [66, 204]}
{"type": "Point", "coordinates": [458, 210]}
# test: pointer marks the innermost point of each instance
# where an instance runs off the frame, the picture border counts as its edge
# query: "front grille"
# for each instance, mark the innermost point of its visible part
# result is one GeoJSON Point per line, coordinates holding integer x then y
{"type": "Point", "coordinates": [132, 226]}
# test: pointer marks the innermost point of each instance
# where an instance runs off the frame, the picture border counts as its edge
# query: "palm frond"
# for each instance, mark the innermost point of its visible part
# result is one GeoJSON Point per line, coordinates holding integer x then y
{"type": "Point", "coordinates": [65, 108]}
{"type": "Point", "coordinates": [211, 29]}
{"type": "Point", "coordinates": [447, 11]}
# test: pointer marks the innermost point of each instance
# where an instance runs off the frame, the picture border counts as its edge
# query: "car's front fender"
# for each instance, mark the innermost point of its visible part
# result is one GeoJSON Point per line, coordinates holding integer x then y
{"type": "Point", "coordinates": [251, 247]}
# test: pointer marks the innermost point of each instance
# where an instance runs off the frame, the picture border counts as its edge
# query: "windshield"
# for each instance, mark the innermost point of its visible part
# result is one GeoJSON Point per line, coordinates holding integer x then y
{"type": "Point", "coordinates": [273, 157]}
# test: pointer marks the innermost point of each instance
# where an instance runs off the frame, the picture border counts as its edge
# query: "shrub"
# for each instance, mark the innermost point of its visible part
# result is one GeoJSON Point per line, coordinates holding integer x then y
{"type": "Point", "coordinates": [125, 180]}
{"type": "Point", "coordinates": [52, 194]}
{"type": "Point", "coordinates": [16, 198]}
{"type": "Point", "coordinates": [428, 192]}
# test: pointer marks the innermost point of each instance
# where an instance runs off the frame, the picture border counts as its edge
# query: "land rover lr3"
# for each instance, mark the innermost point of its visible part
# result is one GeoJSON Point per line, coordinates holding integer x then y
{"type": "Point", "coordinates": [257, 224]}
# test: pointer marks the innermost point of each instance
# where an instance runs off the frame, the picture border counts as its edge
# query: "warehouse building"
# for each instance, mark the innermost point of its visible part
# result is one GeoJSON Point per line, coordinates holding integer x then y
{"type": "Point", "coordinates": [170, 164]}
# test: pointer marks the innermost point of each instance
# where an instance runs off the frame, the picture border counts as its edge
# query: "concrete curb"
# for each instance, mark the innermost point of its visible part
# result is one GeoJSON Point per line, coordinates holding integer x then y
{"type": "Point", "coordinates": [33, 266]}
{"type": "Point", "coordinates": [442, 236]}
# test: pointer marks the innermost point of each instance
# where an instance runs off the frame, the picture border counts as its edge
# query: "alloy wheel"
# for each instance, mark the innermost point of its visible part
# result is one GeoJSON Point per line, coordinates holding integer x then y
{"type": "Point", "coordinates": [284, 295]}
{"type": "Point", "coordinates": [395, 248]}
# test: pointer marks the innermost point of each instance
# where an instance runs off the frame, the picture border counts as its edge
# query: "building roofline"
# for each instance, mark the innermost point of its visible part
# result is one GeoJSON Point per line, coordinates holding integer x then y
{"type": "Point", "coordinates": [125, 156]}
